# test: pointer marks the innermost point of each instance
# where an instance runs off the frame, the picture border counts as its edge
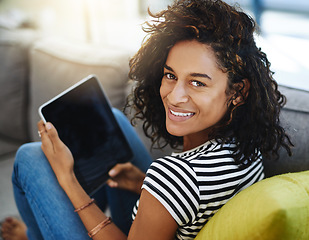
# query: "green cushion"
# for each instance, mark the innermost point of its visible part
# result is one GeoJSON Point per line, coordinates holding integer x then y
{"type": "Point", "coordinates": [274, 208]}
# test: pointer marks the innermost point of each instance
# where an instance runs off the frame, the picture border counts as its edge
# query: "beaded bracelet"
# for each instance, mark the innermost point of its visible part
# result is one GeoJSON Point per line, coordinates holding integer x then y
{"type": "Point", "coordinates": [84, 206]}
{"type": "Point", "coordinates": [99, 227]}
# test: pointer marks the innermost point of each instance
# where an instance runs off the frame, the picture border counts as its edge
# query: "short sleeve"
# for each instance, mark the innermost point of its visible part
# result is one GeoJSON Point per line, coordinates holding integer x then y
{"type": "Point", "coordinates": [172, 181]}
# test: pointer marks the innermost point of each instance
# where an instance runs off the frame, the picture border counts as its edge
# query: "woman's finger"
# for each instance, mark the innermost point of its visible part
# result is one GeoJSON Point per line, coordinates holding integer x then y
{"type": "Point", "coordinates": [118, 168]}
{"type": "Point", "coordinates": [53, 136]}
{"type": "Point", "coordinates": [114, 171]}
{"type": "Point", "coordinates": [111, 183]}
{"type": "Point", "coordinates": [41, 128]}
{"type": "Point", "coordinates": [47, 145]}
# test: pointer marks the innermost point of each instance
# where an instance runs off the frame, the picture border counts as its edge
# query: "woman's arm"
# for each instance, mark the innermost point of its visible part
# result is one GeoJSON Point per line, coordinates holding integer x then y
{"type": "Point", "coordinates": [152, 221]}
{"type": "Point", "coordinates": [61, 161]}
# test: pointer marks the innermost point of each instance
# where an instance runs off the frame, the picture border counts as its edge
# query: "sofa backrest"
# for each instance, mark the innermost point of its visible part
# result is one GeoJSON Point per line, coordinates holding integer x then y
{"type": "Point", "coordinates": [295, 119]}
{"type": "Point", "coordinates": [57, 64]}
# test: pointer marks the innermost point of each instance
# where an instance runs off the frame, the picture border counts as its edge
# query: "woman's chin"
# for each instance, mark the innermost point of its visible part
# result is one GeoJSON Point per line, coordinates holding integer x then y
{"type": "Point", "coordinates": [175, 132]}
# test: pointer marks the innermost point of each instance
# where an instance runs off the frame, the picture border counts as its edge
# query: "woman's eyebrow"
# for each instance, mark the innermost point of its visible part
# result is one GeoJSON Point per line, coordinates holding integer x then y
{"type": "Point", "coordinates": [168, 68]}
{"type": "Point", "coordinates": [203, 75]}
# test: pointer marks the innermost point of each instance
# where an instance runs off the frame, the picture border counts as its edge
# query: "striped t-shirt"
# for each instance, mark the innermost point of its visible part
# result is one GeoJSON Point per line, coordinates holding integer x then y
{"type": "Point", "coordinates": [195, 184]}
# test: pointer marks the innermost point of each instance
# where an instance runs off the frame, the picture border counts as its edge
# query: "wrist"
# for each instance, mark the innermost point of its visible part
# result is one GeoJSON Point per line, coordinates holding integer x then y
{"type": "Point", "coordinates": [68, 182]}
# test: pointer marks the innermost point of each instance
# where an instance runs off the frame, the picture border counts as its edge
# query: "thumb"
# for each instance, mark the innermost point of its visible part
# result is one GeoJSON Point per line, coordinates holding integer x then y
{"type": "Point", "coordinates": [120, 167]}
{"type": "Point", "coordinates": [53, 135]}
{"type": "Point", "coordinates": [115, 170]}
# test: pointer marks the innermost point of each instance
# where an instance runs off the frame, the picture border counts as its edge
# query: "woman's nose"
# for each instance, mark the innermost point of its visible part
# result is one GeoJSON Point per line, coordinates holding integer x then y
{"type": "Point", "coordinates": [179, 93]}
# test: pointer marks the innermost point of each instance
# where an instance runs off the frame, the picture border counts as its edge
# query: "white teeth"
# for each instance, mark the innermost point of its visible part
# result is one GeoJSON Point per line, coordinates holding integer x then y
{"type": "Point", "coordinates": [179, 114]}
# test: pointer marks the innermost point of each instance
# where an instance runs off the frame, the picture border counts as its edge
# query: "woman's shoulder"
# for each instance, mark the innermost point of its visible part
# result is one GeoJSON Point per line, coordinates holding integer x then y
{"type": "Point", "coordinates": [187, 165]}
{"type": "Point", "coordinates": [212, 149]}
{"type": "Point", "coordinates": [216, 161]}
{"type": "Point", "coordinates": [173, 167]}
{"type": "Point", "coordinates": [174, 183]}
{"type": "Point", "coordinates": [193, 179]}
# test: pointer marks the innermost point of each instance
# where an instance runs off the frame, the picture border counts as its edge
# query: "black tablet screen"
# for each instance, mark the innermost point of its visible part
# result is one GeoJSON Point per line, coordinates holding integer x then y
{"type": "Point", "coordinates": [86, 124]}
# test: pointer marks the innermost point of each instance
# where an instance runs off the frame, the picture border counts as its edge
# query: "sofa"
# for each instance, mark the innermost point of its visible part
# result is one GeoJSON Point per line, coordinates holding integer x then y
{"type": "Point", "coordinates": [14, 87]}
{"type": "Point", "coordinates": [34, 69]}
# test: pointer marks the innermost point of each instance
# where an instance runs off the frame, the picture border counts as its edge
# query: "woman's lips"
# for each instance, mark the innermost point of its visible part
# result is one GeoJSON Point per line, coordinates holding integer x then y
{"type": "Point", "coordinates": [179, 116]}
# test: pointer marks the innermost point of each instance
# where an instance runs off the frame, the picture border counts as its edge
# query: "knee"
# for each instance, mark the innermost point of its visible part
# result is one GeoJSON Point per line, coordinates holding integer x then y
{"type": "Point", "coordinates": [28, 149]}
{"type": "Point", "coordinates": [28, 155]}
{"type": "Point", "coordinates": [31, 167]}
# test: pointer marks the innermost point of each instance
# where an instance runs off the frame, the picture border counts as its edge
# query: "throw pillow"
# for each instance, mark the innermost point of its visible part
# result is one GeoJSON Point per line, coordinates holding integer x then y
{"type": "Point", "coordinates": [274, 208]}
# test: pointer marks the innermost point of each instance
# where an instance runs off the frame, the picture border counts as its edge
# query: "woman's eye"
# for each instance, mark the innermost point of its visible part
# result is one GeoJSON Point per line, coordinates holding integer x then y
{"type": "Point", "coordinates": [197, 83]}
{"type": "Point", "coordinates": [170, 76]}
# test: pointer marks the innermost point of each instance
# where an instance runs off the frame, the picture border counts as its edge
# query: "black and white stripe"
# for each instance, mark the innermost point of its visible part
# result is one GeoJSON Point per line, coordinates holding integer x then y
{"type": "Point", "coordinates": [195, 184]}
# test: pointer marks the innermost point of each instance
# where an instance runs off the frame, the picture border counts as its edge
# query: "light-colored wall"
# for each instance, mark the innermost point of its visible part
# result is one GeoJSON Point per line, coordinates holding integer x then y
{"type": "Point", "coordinates": [108, 22]}
{"type": "Point", "coordinates": [64, 18]}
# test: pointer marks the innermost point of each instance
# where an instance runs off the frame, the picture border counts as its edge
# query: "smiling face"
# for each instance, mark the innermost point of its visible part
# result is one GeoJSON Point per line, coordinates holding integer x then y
{"type": "Point", "coordinates": [193, 91]}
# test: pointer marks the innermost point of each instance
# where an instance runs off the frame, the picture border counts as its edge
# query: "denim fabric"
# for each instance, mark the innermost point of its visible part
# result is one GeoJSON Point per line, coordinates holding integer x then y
{"type": "Point", "coordinates": [44, 206]}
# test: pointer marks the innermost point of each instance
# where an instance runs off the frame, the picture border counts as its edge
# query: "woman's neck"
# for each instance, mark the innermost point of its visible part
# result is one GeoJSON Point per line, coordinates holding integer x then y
{"type": "Point", "coordinates": [193, 141]}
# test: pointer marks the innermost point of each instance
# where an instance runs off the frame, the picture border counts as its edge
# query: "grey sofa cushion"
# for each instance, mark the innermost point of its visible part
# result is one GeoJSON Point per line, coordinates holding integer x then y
{"type": "Point", "coordinates": [57, 64]}
{"type": "Point", "coordinates": [14, 46]}
{"type": "Point", "coordinates": [295, 119]}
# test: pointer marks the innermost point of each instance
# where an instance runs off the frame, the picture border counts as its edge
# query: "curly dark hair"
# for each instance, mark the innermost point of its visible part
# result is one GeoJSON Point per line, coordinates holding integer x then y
{"type": "Point", "coordinates": [254, 125]}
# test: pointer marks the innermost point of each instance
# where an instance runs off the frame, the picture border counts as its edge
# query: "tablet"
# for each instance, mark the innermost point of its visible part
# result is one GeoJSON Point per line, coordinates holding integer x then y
{"type": "Point", "coordinates": [85, 122]}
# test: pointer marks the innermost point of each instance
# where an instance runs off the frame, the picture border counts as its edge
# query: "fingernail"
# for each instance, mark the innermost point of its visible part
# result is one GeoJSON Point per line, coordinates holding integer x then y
{"type": "Point", "coordinates": [49, 126]}
{"type": "Point", "coordinates": [113, 184]}
{"type": "Point", "coordinates": [111, 172]}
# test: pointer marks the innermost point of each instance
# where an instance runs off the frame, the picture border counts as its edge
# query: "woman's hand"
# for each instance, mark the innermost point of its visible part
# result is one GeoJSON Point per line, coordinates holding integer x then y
{"type": "Point", "coordinates": [126, 176]}
{"type": "Point", "coordinates": [57, 153]}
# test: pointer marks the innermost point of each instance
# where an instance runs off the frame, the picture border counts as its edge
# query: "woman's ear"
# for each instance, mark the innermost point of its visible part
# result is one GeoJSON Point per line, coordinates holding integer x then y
{"type": "Point", "coordinates": [242, 92]}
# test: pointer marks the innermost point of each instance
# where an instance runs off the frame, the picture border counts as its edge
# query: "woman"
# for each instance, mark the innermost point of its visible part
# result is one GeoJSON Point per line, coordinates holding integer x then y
{"type": "Point", "coordinates": [203, 87]}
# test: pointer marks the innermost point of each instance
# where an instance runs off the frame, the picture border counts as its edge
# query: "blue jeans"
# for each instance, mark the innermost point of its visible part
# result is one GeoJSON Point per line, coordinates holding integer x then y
{"type": "Point", "coordinates": [44, 206]}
